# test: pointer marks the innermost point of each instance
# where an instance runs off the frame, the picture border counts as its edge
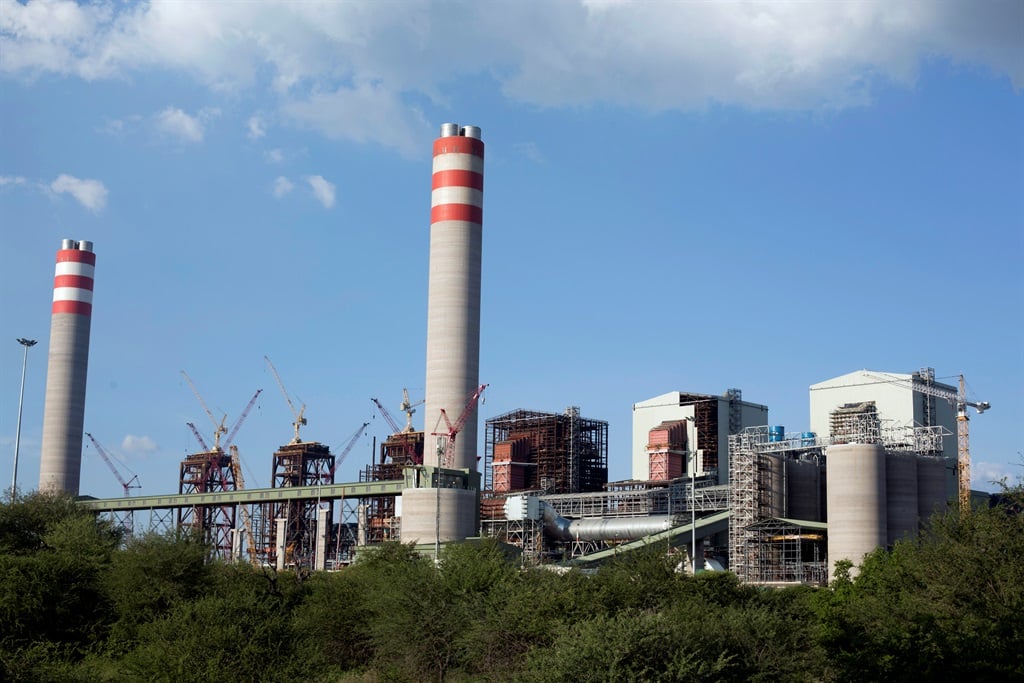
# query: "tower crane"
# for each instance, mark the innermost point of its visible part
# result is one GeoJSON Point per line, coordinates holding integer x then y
{"type": "Point", "coordinates": [199, 437]}
{"type": "Point", "coordinates": [126, 485]}
{"type": "Point", "coordinates": [348, 447]}
{"type": "Point", "coordinates": [446, 454]}
{"type": "Point", "coordinates": [234, 429]}
{"type": "Point", "coordinates": [958, 399]}
{"type": "Point", "coordinates": [409, 408]}
{"type": "Point", "coordinates": [408, 444]}
{"type": "Point", "coordinates": [299, 414]}
{"type": "Point", "coordinates": [218, 427]}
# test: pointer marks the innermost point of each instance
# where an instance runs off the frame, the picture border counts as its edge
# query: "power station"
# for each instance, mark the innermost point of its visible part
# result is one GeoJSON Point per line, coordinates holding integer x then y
{"type": "Point", "coordinates": [712, 479]}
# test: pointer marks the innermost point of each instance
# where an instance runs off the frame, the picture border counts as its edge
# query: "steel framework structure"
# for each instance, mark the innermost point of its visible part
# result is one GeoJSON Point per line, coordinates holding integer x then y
{"type": "Point", "coordinates": [568, 453]}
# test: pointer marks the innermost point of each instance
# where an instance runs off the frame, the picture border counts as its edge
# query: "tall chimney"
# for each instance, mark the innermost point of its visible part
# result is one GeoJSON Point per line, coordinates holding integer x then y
{"type": "Point", "coordinates": [432, 515]}
{"type": "Point", "coordinates": [64, 412]}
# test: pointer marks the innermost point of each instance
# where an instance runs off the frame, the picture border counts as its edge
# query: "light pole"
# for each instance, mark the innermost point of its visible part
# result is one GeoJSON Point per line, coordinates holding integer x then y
{"type": "Point", "coordinates": [691, 464]}
{"type": "Point", "coordinates": [27, 343]}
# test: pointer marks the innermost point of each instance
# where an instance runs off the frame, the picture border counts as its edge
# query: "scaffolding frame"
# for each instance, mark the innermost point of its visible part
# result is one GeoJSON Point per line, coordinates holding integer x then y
{"type": "Point", "coordinates": [569, 452]}
{"type": "Point", "coordinates": [788, 552]}
{"type": "Point", "coordinates": [306, 463]}
{"type": "Point", "coordinates": [208, 472]}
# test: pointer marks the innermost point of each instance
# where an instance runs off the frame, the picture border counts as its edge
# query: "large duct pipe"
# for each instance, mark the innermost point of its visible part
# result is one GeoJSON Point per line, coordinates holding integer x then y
{"type": "Point", "coordinates": [64, 412]}
{"type": "Point", "coordinates": [602, 528]}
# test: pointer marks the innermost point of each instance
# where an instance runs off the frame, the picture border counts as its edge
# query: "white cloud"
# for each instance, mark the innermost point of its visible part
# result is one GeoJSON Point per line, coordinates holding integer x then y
{"type": "Point", "coordinates": [90, 193]}
{"type": "Point", "coordinates": [983, 474]}
{"type": "Point", "coordinates": [176, 123]}
{"type": "Point", "coordinates": [138, 445]}
{"type": "Point", "coordinates": [256, 129]}
{"type": "Point", "coordinates": [282, 186]}
{"type": "Point", "coordinates": [275, 156]}
{"type": "Point", "coordinates": [352, 71]}
{"type": "Point", "coordinates": [11, 180]}
{"type": "Point", "coordinates": [364, 113]}
{"type": "Point", "coordinates": [322, 190]}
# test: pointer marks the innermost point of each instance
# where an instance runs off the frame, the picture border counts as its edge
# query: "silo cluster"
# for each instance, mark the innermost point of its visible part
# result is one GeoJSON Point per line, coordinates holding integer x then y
{"type": "Point", "coordinates": [876, 498]}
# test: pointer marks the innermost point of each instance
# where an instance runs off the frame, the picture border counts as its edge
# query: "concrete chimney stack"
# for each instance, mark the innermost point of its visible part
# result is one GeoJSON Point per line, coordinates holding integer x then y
{"type": "Point", "coordinates": [64, 411]}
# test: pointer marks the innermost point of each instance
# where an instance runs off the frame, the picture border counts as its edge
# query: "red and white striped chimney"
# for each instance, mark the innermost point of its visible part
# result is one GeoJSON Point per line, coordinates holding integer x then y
{"type": "Point", "coordinates": [64, 412]}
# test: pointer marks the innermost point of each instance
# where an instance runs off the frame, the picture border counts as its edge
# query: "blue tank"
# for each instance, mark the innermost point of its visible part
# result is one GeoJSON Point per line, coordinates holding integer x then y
{"type": "Point", "coordinates": [807, 438]}
{"type": "Point", "coordinates": [776, 433]}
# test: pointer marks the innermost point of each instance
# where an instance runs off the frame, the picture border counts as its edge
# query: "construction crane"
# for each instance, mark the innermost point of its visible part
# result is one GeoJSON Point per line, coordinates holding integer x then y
{"type": "Point", "coordinates": [199, 437]}
{"type": "Point", "coordinates": [408, 444]}
{"type": "Point", "coordinates": [348, 447]}
{"type": "Point", "coordinates": [126, 485]}
{"type": "Point", "coordinates": [446, 454]}
{"type": "Point", "coordinates": [958, 399]}
{"type": "Point", "coordinates": [250, 539]}
{"type": "Point", "coordinates": [408, 408]}
{"type": "Point", "coordinates": [299, 414]}
{"type": "Point", "coordinates": [218, 427]}
{"type": "Point", "coordinates": [217, 448]}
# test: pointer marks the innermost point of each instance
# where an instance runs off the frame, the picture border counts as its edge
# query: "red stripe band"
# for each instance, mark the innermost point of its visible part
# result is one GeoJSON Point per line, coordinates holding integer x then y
{"type": "Point", "coordinates": [456, 212]}
{"type": "Point", "coordinates": [76, 255]}
{"type": "Point", "coordinates": [78, 307]}
{"type": "Point", "coordinates": [79, 281]}
{"type": "Point", "coordinates": [458, 144]}
{"type": "Point", "coordinates": [458, 179]}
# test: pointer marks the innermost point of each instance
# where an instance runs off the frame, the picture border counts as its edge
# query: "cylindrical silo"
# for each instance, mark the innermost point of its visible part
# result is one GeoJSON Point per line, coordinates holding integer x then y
{"type": "Point", "coordinates": [901, 496]}
{"type": "Point", "coordinates": [856, 501]}
{"type": "Point", "coordinates": [64, 412]}
{"type": "Point", "coordinates": [453, 326]}
{"type": "Point", "coordinates": [931, 487]}
{"type": "Point", "coordinates": [802, 490]}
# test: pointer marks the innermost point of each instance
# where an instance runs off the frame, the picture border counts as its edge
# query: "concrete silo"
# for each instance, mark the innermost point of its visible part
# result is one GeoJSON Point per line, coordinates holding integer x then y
{"type": "Point", "coordinates": [64, 412]}
{"type": "Point", "coordinates": [453, 328]}
{"type": "Point", "coordinates": [932, 491]}
{"type": "Point", "coordinates": [856, 501]}
{"type": "Point", "coordinates": [901, 496]}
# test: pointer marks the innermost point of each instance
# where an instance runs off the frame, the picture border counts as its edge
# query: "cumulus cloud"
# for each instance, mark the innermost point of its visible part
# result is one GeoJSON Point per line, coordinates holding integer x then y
{"type": "Point", "coordinates": [256, 129]}
{"type": "Point", "coordinates": [275, 156]}
{"type": "Point", "coordinates": [322, 190]}
{"type": "Point", "coordinates": [176, 123]}
{"type": "Point", "coordinates": [11, 180]}
{"type": "Point", "coordinates": [90, 193]}
{"type": "Point", "coordinates": [282, 186]}
{"type": "Point", "coordinates": [985, 474]}
{"type": "Point", "coordinates": [138, 445]}
{"type": "Point", "coordinates": [355, 71]}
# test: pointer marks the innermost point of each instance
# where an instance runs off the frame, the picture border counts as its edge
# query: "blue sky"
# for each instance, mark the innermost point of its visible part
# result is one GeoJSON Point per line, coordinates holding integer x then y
{"type": "Point", "coordinates": [678, 196]}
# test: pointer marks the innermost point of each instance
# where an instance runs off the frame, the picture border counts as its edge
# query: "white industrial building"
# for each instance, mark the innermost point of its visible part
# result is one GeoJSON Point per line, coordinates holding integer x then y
{"type": "Point", "coordinates": [709, 422]}
{"type": "Point", "coordinates": [899, 402]}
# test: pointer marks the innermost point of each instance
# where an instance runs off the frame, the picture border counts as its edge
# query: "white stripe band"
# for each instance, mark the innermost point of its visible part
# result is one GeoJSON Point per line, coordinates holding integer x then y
{"type": "Point", "coordinates": [72, 294]}
{"type": "Point", "coordinates": [76, 268]}
{"type": "Point", "coordinates": [456, 195]}
{"type": "Point", "coordinates": [458, 162]}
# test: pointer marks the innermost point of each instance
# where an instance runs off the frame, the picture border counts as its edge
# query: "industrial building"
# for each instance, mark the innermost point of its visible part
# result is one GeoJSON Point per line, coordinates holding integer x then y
{"type": "Point", "coordinates": [709, 422]}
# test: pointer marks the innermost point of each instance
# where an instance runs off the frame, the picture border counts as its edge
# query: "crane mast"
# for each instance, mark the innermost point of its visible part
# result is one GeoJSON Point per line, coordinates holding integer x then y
{"type": "Point", "coordinates": [299, 414]}
{"type": "Point", "coordinates": [958, 399]}
{"type": "Point", "coordinates": [447, 452]}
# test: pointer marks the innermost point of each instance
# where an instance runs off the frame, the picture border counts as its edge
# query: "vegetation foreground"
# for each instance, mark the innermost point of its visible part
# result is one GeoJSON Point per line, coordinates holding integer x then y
{"type": "Point", "coordinates": [78, 604]}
